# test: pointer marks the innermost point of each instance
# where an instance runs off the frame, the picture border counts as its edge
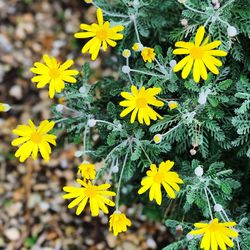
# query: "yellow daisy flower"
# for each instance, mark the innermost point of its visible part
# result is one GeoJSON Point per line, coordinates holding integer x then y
{"type": "Point", "coordinates": [102, 35]}
{"type": "Point", "coordinates": [118, 223]}
{"type": "Point", "coordinates": [148, 54]}
{"type": "Point", "coordinates": [215, 234]}
{"type": "Point", "coordinates": [172, 105]}
{"type": "Point", "coordinates": [54, 74]}
{"type": "Point", "coordinates": [97, 196]}
{"type": "Point", "coordinates": [87, 170]}
{"type": "Point", "coordinates": [138, 101]}
{"type": "Point", "coordinates": [157, 177]}
{"type": "Point", "coordinates": [200, 56]}
{"type": "Point", "coordinates": [33, 140]}
{"type": "Point", "coordinates": [4, 107]}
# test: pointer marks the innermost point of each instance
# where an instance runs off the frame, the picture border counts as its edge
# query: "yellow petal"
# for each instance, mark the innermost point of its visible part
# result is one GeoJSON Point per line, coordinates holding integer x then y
{"type": "Point", "coordinates": [196, 71]}
{"type": "Point", "coordinates": [199, 36]}
{"type": "Point", "coordinates": [187, 68]}
{"type": "Point", "coordinates": [99, 16]}
{"type": "Point", "coordinates": [182, 63]}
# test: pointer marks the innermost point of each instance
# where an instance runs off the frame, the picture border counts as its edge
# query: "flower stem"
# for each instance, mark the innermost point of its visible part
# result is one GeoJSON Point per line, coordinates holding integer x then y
{"type": "Point", "coordinates": [147, 73]}
{"type": "Point", "coordinates": [144, 151]}
{"type": "Point", "coordinates": [119, 183]}
{"type": "Point", "coordinates": [136, 29]}
{"type": "Point", "coordinates": [208, 202]}
{"type": "Point", "coordinates": [194, 10]}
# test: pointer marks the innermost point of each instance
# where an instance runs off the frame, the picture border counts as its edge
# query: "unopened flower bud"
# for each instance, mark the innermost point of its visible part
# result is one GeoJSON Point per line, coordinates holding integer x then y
{"type": "Point", "coordinates": [137, 47]}
{"type": "Point", "coordinates": [172, 63]}
{"type": "Point", "coordinates": [126, 69]}
{"type": "Point", "coordinates": [182, 1]}
{"type": "Point", "coordinates": [115, 169]}
{"type": "Point", "coordinates": [184, 22]}
{"type": "Point", "coordinates": [82, 90]}
{"type": "Point", "coordinates": [4, 107]}
{"type": "Point", "coordinates": [126, 53]}
{"type": "Point", "coordinates": [198, 171]}
{"type": "Point", "coordinates": [179, 228]}
{"type": "Point", "coordinates": [172, 105]}
{"type": "Point", "coordinates": [217, 6]}
{"type": "Point", "coordinates": [218, 207]}
{"type": "Point", "coordinates": [91, 123]}
{"type": "Point", "coordinates": [231, 31]}
{"type": "Point", "coordinates": [157, 138]}
{"type": "Point", "coordinates": [193, 151]}
{"type": "Point", "coordinates": [59, 108]}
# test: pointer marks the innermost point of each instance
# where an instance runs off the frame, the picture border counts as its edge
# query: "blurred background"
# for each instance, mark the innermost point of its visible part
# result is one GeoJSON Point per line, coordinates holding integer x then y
{"type": "Point", "coordinates": [33, 214]}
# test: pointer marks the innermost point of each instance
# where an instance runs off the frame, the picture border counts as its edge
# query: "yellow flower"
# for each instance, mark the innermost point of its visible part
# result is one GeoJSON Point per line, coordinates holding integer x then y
{"type": "Point", "coordinates": [88, 1]}
{"type": "Point", "coordinates": [162, 176]}
{"type": "Point", "coordinates": [54, 74]}
{"type": "Point", "coordinates": [137, 47]}
{"type": "Point", "coordinates": [172, 105]}
{"type": "Point", "coordinates": [97, 196]}
{"type": "Point", "coordinates": [87, 170]}
{"type": "Point", "coordinates": [4, 107]}
{"type": "Point", "coordinates": [118, 223]}
{"type": "Point", "coordinates": [102, 35]}
{"type": "Point", "coordinates": [138, 101]}
{"type": "Point", "coordinates": [148, 54]}
{"type": "Point", "coordinates": [215, 234]}
{"type": "Point", "coordinates": [33, 140]}
{"type": "Point", "coordinates": [126, 53]}
{"type": "Point", "coordinates": [200, 55]}
{"type": "Point", "coordinates": [157, 138]}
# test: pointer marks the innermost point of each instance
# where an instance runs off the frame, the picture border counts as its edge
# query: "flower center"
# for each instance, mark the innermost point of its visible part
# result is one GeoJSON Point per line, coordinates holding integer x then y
{"type": "Point", "coordinates": [158, 178]}
{"type": "Point", "coordinates": [197, 52]}
{"type": "Point", "coordinates": [54, 73]}
{"type": "Point", "coordinates": [141, 102]}
{"type": "Point", "coordinates": [36, 137]}
{"type": "Point", "coordinates": [90, 192]}
{"type": "Point", "coordinates": [102, 34]}
{"type": "Point", "coordinates": [213, 227]}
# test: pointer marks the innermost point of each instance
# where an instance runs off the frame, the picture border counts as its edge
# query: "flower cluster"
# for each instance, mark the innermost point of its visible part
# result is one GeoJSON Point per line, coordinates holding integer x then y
{"type": "Point", "coordinates": [140, 103]}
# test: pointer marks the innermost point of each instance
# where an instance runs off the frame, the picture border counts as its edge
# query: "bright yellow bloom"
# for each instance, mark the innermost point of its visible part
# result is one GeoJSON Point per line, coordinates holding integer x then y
{"type": "Point", "coordinates": [118, 223]}
{"type": "Point", "coordinates": [87, 170]}
{"type": "Point", "coordinates": [53, 73]}
{"type": "Point", "coordinates": [97, 196]}
{"type": "Point", "coordinates": [162, 176]}
{"type": "Point", "coordinates": [33, 140]}
{"type": "Point", "coordinates": [200, 55]}
{"type": "Point", "coordinates": [157, 138]}
{"type": "Point", "coordinates": [138, 101]}
{"type": "Point", "coordinates": [88, 1]}
{"type": "Point", "coordinates": [148, 54]}
{"type": "Point", "coordinates": [172, 105]}
{"type": "Point", "coordinates": [126, 53]}
{"type": "Point", "coordinates": [215, 234]}
{"type": "Point", "coordinates": [4, 107]}
{"type": "Point", "coordinates": [102, 35]}
{"type": "Point", "coordinates": [137, 47]}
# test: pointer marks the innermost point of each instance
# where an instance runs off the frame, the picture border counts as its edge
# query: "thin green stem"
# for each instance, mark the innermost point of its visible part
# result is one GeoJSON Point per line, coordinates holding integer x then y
{"type": "Point", "coordinates": [136, 29]}
{"type": "Point", "coordinates": [208, 202]}
{"type": "Point", "coordinates": [119, 183]}
{"type": "Point", "coordinates": [194, 10]}
{"type": "Point", "coordinates": [84, 142]}
{"type": "Point", "coordinates": [147, 73]}
{"type": "Point", "coordinates": [145, 153]}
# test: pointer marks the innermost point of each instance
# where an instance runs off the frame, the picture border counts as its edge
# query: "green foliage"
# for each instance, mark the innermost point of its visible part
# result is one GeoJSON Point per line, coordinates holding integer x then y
{"type": "Point", "coordinates": [217, 129]}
